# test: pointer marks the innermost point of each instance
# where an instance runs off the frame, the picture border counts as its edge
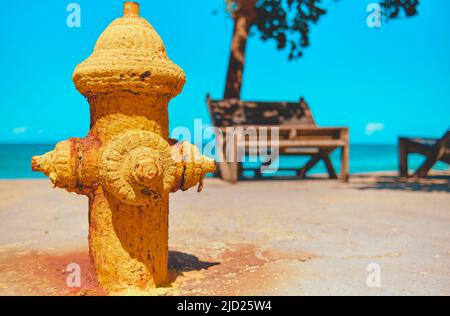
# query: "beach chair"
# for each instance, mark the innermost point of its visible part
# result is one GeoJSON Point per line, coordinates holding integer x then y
{"type": "Point", "coordinates": [298, 135]}
{"type": "Point", "coordinates": [434, 149]}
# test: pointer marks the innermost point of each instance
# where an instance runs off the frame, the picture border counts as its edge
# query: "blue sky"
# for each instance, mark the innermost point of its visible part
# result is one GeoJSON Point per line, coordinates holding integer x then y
{"type": "Point", "coordinates": [385, 82]}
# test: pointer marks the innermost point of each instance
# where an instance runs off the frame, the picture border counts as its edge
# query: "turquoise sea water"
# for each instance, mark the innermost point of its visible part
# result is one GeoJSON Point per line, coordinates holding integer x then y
{"type": "Point", "coordinates": [15, 160]}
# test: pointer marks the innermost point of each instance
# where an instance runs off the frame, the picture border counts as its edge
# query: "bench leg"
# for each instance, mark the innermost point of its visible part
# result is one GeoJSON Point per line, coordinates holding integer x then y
{"type": "Point", "coordinates": [345, 153]}
{"type": "Point", "coordinates": [309, 165]}
{"type": "Point", "coordinates": [228, 170]}
{"type": "Point", "coordinates": [329, 166]}
{"type": "Point", "coordinates": [224, 171]}
{"type": "Point", "coordinates": [234, 168]}
{"type": "Point", "coordinates": [345, 157]}
{"type": "Point", "coordinates": [322, 155]}
{"type": "Point", "coordinates": [431, 160]}
{"type": "Point", "coordinates": [403, 158]}
{"type": "Point", "coordinates": [234, 164]}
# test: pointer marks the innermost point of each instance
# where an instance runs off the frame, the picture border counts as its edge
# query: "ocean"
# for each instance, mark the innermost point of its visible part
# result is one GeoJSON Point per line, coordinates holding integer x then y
{"type": "Point", "coordinates": [15, 160]}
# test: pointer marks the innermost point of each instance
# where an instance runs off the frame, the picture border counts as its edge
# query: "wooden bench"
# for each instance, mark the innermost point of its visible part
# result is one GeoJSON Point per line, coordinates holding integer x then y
{"type": "Point", "coordinates": [434, 149]}
{"type": "Point", "coordinates": [298, 135]}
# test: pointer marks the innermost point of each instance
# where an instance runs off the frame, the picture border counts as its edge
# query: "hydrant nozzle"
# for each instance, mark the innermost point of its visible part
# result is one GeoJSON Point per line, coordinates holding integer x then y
{"type": "Point", "coordinates": [126, 165]}
{"type": "Point", "coordinates": [59, 164]}
{"type": "Point", "coordinates": [130, 8]}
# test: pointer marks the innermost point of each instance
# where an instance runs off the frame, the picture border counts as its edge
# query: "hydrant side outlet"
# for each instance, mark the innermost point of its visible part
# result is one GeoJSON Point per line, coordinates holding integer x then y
{"type": "Point", "coordinates": [125, 165]}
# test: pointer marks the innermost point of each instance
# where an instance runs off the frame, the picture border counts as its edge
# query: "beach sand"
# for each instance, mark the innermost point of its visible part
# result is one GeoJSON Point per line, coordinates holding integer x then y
{"type": "Point", "coordinates": [253, 238]}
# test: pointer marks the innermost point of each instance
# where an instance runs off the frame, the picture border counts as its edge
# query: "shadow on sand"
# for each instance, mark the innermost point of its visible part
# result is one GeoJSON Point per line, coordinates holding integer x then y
{"type": "Point", "coordinates": [180, 262]}
{"type": "Point", "coordinates": [436, 183]}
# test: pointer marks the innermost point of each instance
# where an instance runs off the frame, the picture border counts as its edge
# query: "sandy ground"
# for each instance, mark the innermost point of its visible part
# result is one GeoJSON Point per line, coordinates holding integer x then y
{"type": "Point", "coordinates": [314, 237]}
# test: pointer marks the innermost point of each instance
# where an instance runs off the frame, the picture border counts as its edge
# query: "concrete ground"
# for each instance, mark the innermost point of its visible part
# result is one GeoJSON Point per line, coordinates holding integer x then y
{"type": "Point", "coordinates": [312, 237]}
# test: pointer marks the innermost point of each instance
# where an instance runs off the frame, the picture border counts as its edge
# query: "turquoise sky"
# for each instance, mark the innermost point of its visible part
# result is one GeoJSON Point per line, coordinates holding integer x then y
{"type": "Point", "coordinates": [395, 79]}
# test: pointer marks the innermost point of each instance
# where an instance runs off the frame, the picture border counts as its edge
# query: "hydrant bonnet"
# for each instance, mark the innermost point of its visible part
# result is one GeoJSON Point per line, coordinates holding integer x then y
{"type": "Point", "coordinates": [129, 56]}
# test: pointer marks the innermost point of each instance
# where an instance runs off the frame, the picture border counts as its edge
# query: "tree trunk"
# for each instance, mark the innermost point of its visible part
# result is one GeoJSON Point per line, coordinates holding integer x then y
{"type": "Point", "coordinates": [243, 16]}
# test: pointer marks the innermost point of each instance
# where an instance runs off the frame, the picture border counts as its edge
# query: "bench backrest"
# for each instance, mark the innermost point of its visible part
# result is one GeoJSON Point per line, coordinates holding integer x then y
{"type": "Point", "coordinates": [234, 112]}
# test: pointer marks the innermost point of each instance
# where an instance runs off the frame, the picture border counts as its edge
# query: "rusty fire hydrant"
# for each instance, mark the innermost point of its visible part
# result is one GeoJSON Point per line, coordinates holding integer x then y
{"type": "Point", "coordinates": [127, 165]}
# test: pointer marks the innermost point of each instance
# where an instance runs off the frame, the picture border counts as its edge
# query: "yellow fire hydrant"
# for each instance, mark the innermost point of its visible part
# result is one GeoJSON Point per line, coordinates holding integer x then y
{"type": "Point", "coordinates": [127, 165]}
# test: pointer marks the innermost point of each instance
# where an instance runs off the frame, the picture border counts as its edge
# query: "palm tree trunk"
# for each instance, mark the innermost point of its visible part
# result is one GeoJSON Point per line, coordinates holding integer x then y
{"type": "Point", "coordinates": [243, 16]}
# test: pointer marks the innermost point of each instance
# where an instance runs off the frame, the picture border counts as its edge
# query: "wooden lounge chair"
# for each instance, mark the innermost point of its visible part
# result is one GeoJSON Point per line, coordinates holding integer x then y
{"type": "Point", "coordinates": [434, 149]}
{"type": "Point", "coordinates": [298, 135]}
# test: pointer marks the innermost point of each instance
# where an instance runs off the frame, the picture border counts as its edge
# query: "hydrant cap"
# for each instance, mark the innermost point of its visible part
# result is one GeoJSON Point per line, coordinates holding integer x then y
{"type": "Point", "coordinates": [129, 56]}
